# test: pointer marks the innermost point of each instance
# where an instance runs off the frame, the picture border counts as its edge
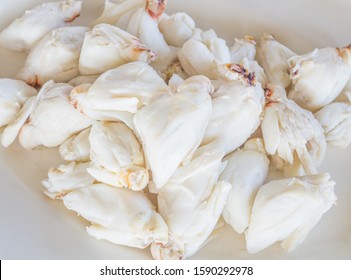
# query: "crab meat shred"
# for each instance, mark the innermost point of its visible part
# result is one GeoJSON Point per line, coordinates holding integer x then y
{"type": "Point", "coordinates": [291, 133]}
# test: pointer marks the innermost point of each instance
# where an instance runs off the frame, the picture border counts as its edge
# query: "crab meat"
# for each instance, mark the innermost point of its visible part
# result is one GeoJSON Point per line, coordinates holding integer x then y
{"type": "Point", "coordinates": [143, 25]}
{"type": "Point", "coordinates": [191, 203]}
{"type": "Point", "coordinates": [55, 57]}
{"type": "Point", "coordinates": [335, 119]}
{"type": "Point", "coordinates": [106, 47]}
{"type": "Point", "coordinates": [291, 132]}
{"type": "Point", "coordinates": [114, 12]}
{"type": "Point", "coordinates": [116, 156]}
{"type": "Point", "coordinates": [287, 210]}
{"type": "Point", "coordinates": [172, 127]}
{"type": "Point", "coordinates": [319, 76]}
{"type": "Point", "coordinates": [77, 147]}
{"type": "Point", "coordinates": [13, 94]}
{"type": "Point", "coordinates": [176, 28]}
{"type": "Point", "coordinates": [118, 94]}
{"type": "Point", "coordinates": [243, 48]}
{"type": "Point", "coordinates": [66, 178]}
{"type": "Point", "coordinates": [273, 56]}
{"type": "Point", "coordinates": [23, 33]}
{"type": "Point", "coordinates": [121, 216]}
{"type": "Point", "coordinates": [236, 110]}
{"type": "Point", "coordinates": [246, 171]}
{"type": "Point", "coordinates": [201, 54]}
{"type": "Point", "coordinates": [52, 119]}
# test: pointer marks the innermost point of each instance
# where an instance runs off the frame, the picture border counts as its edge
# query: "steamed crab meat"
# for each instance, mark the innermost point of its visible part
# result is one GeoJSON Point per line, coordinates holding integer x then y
{"type": "Point", "coordinates": [143, 24]}
{"type": "Point", "coordinates": [55, 57]}
{"type": "Point", "coordinates": [116, 156]}
{"type": "Point", "coordinates": [13, 94]}
{"type": "Point", "coordinates": [273, 56]}
{"type": "Point", "coordinates": [236, 109]}
{"type": "Point", "coordinates": [243, 48]}
{"type": "Point", "coordinates": [319, 76]}
{"type": "Point", "coordinates": [287, 210]}
{"type": "Point", "coordinates": [172, 127]}
{"type": "Point", "coordinates": [77, 147]}
{"type": "Point", "coordinates": [106, 47]}
{"type": "Point", "coordinates": [121, 216]}
{"type": "Point", "coordinates": [290, 131]}
{"type": "Point", "coordinates": [66, 178]}
{"type": "Point", "coordinates": [201, 54]}
{"type": "Point", "coordinates": [246, 171]}
{"type": "Point", "coordinates": [52, 119]}
{"type": "Point", "coordinates": [119, 93]}
{"type": "Point", "coordinates": [191, 203]}
{"type": "Point", "coordinates": [335, 119]}
{"type": "Point", "coordinates": [176, 28]}
{"type": "Point", "coordinates": [23, 33]}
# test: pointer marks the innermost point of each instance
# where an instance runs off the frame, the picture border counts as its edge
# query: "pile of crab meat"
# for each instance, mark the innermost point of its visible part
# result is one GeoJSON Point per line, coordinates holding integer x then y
{"type": "Point", "coordinates": [144, 104]}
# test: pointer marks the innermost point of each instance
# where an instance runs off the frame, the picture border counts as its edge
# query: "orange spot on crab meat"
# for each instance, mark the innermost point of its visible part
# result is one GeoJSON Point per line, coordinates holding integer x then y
{"type": "Point", "coordinates": [72, 18]}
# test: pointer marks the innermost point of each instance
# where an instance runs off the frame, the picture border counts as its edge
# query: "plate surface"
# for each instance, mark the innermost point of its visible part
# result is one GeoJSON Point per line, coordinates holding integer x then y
{"type": "Point", "coordinates": [35, 227]}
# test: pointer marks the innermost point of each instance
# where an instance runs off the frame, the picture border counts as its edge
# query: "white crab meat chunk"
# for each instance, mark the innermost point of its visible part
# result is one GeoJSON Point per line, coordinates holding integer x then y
{"type": "Point", "coordinates": [116, 11]}
{"type": "Point", "coordinates": [319, 76]}
{"type": "Point", "coordinates": [172, 127]}
{"type": "Point", "coordinates": [243, 52]}
{"type": "Point", "coordinates": [13, 95]}
{"type": "Point", "coordinates": [106, 47]}
{"type": "Point", "coordinates": [273, 57]}
{"type": "Point", "coordinates": [176, 28]}
{"type": "Point", "coordinates": [236, 109]}
{"type": "Point", "coordinates": [246, 171]}
{"type": "Point", "coordinates": [77, 147]}
{"type": "Point", "coordinates": [55, 57]}
{"type": "Point", "coordinates": [66, 178]}
{"type": "Point", "coordinates": [119, 93]}
{"type": "Point", "coordinates": [51, 119]}
{"type": "Point", "coordinates": [121, 216]}
{"type": "Point", "coordinates": [291, 133]}
{"type": "Point", "coordinates": [191, 203]}
{"type": "Point", "coordinates": [116, 156]}
{"type": "Point", "coordinates": [201, 54]}
{"type": "Point", "coordinates": [24, 32]}
{"type": "Point", "coordinates": [287, 210]}
{"type": "Point", "coordinates": [243, 48]}
{"type": "Point", "coordinates": [143, 24]}
{"type": "Point", "coordinates": [335, 119]}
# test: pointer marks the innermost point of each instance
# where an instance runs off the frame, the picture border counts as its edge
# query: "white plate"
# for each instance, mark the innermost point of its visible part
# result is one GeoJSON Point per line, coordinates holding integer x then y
{"type": "Point", "coordinates": [35, 227]}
